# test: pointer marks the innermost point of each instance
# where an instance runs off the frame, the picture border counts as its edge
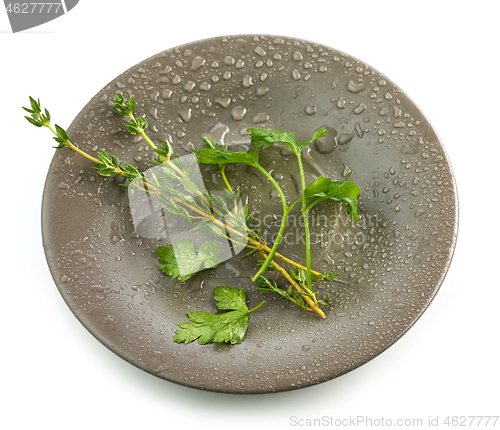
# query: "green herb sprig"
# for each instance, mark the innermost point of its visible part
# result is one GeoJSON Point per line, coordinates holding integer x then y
{"type": "Point", "coordinates": [319, 190]}
{"type": "Point", "coordinates": [227, 327]}
{"type": "Point", "coordinates": [220, 217]}
{"type": "Point", "coordinates": [106, 165]}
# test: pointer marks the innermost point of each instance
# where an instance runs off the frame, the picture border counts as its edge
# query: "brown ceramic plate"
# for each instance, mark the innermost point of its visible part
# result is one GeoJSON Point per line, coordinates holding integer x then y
{"type": "Point", "coordinates": [391, 264]}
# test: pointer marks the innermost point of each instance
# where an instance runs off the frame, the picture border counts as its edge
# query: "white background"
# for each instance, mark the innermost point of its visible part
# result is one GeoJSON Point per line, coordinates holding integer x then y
{"type": "Point", "coordinates": [443, 55]}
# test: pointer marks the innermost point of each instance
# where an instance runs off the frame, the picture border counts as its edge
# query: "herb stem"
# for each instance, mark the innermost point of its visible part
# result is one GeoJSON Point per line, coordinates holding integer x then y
{"type": "Point", "coordinates": [293, 263]}
{"type": "Point", "coordinates": [223, 174]}
{"type": "Point", "coordinates": [305, 217]}
{"type": "Point", "coordinates": [257, 244]}
{"type": "Point", "coordinates": [74, 148]}
{"type": "Point", "coordinates": [279, 237]}
{"type": "Point", "coordinates": [176, 169]}
{"type": "Point", "coordinates": [151, 143]}
{"type": "Point", "coordinates": [286, 275]}
{"type": "Point", "coordinates": [276, 185]}
{"type": "Point", "coordinates": [146, 189]}
{"type": "Point", "coordinates": [147, 139]}
{"type": "Point", "coordinates": [143, 134]}
{"type": "Point", "coordinates": [228, 185]}
{"type": "Point", "coordinates": [256, 307]}
{"type": "Point", "coordinates": [165, 160]}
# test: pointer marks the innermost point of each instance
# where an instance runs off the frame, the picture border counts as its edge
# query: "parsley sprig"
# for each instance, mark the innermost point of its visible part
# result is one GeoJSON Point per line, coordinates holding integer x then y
{"type": "Point", "coordinates": [319, 190]}
{"type": "Point", "coordinates": [227, 327]}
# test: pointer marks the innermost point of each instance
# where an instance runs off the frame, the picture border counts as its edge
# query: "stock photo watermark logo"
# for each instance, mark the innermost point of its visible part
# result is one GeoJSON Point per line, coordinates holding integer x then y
{"type": "Point", "coordinates": [26, 15]}
{"type": "Point", "coordinates": [337, 229]}
{"type": "Point", "coordinates": [172, 203]}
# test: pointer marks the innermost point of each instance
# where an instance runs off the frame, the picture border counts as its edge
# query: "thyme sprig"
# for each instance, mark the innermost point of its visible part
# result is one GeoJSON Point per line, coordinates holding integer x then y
{"type": "Point", "coordinates": [106, 165]}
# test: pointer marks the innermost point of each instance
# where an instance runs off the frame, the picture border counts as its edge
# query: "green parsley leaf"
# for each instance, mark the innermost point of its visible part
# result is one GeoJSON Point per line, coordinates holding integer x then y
{"type": "Point", "coordinates": [264, 138]}
{"type": "Point", "coordinates": [261, 137]}
{"type": "Point", "coordinates": [222, 156]}
{"type": "Point", "coordinates": [338, 191]}
{"type": "Point", "coordinates": [183, 262]}
{"type": "Point", "coordinates": [209, 143]}
{"type": "Point", "coordinates": [230, 299]}
{"type": "Point", "coordinates": [317, 135]}
{"type": "Point", "coordinates": [228, 327]}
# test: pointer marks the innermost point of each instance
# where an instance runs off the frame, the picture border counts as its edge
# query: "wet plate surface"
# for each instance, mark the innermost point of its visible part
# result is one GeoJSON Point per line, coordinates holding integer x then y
{"type": "Point", "coordinates": [391, 263]}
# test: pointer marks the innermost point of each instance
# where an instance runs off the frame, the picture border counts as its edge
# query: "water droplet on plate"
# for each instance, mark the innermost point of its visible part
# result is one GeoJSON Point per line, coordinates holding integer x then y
{"type": "Point", "coordinates": [197, 63]}
{"type": "Point", "coordinates": [166, 94]}
{"type": "Point", "coordinates": [344, 138]}
{"type": "Point", "coordinates": [224, 102]}
{"type": "Point", "coordinates": [261, 91]}
{"type": "Point", "coordinates": [259, 51]}
{"type": "Point", "coordinates": [359, 109]}
{"type": "Point", "coordinates": [247, 81]}
{"type": "Point", "coordinates": [189, 86]}
{"type": "Point", "coordinates": [355, 88]}
{"type": "Point", "coordinates": [260, 117]}
{"type": "Point", "coordinates": [205, 86]}
{"type": "Point", "coordinates": [327, 143]}
{"type": "Point", "coordinates": [238, 113]}
{"type": "Point", "coordinates": [186, 114]}
{"type": "Point", "coordinates": [63, 186]}
{"type": "Point", "coordinates": [310, 109]}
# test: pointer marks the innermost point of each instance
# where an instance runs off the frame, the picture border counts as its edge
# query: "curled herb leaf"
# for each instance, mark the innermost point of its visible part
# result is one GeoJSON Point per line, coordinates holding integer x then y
{"type": "Point", "coordinates": [264, 138]}
{"type": "Point", "coordinates": [338, 191]}
{"type": "Point", "coordinates": [222, 155]}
